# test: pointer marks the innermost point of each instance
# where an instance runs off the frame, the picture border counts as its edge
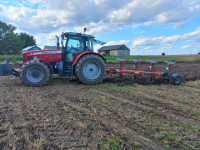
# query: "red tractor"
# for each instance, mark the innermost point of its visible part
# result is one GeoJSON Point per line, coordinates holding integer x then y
{"type": "Point", "coordinates": [75, 58]}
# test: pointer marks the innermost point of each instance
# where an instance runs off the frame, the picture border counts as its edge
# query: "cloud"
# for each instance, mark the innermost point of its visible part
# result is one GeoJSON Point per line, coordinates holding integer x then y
{"type": "Point", "coordinates": [37, 1]}
{"type": "Point", "coordinates": [143, 41]}
{"type": "Point", "coordinates": [43, 39]}
{"type": "Point", "coordinates": [124, 12]}
{"type": "Point", "coordinates": [103, 16]}
{"type": "Point", "coordinates": [187, 46]}
{"type": "Point", "coordinates": [155, 11]}
{"type": "Point", "coordinates": [94, 28]}
{"type": "Point", "coordinates": [108, 14]}
{"type": "Point", "coordinates": [181, 41]}
{"type": "Point", "coordinates": [13, 13]}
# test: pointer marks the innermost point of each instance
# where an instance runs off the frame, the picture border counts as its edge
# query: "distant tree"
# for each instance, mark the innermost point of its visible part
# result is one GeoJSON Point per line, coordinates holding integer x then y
{"type": "Point", "coordinates": [11, 42]}
{"type": "Point", "coordinates": [5, 29]}
{"type": "Point", "coordinates": [27, 40]}
{"type": "Point", "coordinates": [199, 53]}
{"type": "Point", "coordinates": [163, 54]}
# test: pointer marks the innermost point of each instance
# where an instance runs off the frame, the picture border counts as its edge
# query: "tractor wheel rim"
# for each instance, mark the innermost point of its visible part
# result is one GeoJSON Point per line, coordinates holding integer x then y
{"type": "Point", "coordinates": [91, 71]}
{"type": "Point", "coordinates": [34, 75]}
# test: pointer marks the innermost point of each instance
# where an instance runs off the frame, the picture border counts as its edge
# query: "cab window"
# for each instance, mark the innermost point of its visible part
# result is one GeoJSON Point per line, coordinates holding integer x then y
{"type": "Point", "coordinates": [75, 45]}
{"type": "Point", "coordinates": [89, 45]}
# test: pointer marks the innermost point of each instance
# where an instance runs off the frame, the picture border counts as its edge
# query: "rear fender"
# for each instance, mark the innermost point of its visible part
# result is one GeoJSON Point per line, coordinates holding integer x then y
{"type": "Point", "coordinates": [79, 56]}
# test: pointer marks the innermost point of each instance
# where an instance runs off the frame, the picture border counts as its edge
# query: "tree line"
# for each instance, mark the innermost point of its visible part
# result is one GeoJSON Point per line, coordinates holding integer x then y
{"type": "Point", "coordinates": [11, 42]}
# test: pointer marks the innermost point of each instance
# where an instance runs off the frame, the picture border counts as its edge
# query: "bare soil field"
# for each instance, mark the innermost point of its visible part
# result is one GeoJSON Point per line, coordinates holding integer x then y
{"type": "Point", "coordinates": [111, 116]}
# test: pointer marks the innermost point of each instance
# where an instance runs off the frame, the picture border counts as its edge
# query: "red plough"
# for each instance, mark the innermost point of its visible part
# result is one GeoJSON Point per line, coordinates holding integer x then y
{"type": "Point", "coordinates": [149, 74]}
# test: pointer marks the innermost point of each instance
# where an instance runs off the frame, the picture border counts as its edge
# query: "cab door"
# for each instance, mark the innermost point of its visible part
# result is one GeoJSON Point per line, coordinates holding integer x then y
{"type": "Point", "coordinates": [74, 46]}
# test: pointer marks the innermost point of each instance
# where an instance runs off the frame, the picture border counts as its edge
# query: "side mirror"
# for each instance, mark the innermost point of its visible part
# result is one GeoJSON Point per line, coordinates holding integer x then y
{"type": "Point", "coordinates": [58, 42]}
{"type": "Point", "coordinates": [62, 39]}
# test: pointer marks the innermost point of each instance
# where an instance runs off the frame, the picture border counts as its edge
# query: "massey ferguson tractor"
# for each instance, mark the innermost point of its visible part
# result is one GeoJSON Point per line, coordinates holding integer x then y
{"type": "Point", "coordinates": [74, 57]}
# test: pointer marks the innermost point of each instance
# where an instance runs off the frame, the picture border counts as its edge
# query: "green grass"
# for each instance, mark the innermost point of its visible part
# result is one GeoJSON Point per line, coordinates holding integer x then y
{"type": "Point", "coordinates": [113, 59]}
{"type": "Point", "coordinates": [116, 143]}
{"type": "Point", "coordinates": [13, 58]}
{"type": "Point", "coordinates": [111, 144]}
{"type": "Point", "coordinates": [177, 58]}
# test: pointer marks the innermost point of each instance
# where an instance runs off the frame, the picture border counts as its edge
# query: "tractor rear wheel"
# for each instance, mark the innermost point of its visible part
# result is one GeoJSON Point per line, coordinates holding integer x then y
{"type": "Point", "coordinates": [35, 74]}
{"type": "Point", "coordinates": [90, 70]}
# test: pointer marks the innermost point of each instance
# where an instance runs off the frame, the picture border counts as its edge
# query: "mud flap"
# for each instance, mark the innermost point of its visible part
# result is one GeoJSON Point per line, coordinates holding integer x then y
{"type": "Point", "coordinates": [6, 70]}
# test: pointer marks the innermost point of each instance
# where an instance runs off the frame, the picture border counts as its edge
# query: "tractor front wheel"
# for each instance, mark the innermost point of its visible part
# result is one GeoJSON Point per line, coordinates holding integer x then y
{"type": "Point", "coordinates": [35, 74]}
{"type": "Point", "coordinates": [90, 70]}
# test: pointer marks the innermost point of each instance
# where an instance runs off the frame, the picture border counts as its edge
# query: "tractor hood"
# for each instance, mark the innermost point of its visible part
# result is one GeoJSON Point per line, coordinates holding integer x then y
{"type": "Point", "coordinates": [45, 55]}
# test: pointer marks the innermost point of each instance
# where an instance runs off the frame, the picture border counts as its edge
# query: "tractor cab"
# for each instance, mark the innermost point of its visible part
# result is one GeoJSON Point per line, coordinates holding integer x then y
{"type": "Point", "coordinates": [73, 44]}
{"type": "Point", "coordinates": [77, 50]}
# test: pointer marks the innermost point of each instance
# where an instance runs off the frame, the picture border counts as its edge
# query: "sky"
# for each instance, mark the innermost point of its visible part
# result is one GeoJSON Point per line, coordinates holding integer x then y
{"type": "Point", "coordinates": [147, 27]}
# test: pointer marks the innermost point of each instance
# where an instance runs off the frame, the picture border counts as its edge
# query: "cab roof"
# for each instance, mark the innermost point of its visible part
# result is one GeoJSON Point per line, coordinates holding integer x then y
{"type": "Point", "coordinates": [87, 36]}
{"type": "Point", "coordinates": [66, 34]}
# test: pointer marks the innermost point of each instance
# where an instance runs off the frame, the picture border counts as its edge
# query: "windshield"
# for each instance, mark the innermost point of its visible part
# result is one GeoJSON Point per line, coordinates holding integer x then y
{"type": "Point", "coordinates": [80, 42]}
{"type": "Point", "coordinates": [89, 44]}
{"type": "Point", "coordinates": [75, 44]}
{"type": "Point", "coordinates": [97, 44]}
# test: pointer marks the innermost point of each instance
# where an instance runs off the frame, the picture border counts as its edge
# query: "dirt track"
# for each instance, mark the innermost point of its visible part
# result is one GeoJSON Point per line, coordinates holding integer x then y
{"type": "Point", "coordinates": [68, 115]}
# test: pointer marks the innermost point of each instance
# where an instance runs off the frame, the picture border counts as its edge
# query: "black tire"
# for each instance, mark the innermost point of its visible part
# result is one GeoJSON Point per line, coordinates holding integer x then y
{"type": "Point", "coordinates": [35, 74]}
{"type": "Point", "coordinates": [176, 79]}
{"type": "Point", "coordinates": [95, 62]}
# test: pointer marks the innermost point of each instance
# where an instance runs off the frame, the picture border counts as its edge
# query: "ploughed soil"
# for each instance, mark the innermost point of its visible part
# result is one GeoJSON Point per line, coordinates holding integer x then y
{"type": "Point", "coordinates": [110, 116]}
